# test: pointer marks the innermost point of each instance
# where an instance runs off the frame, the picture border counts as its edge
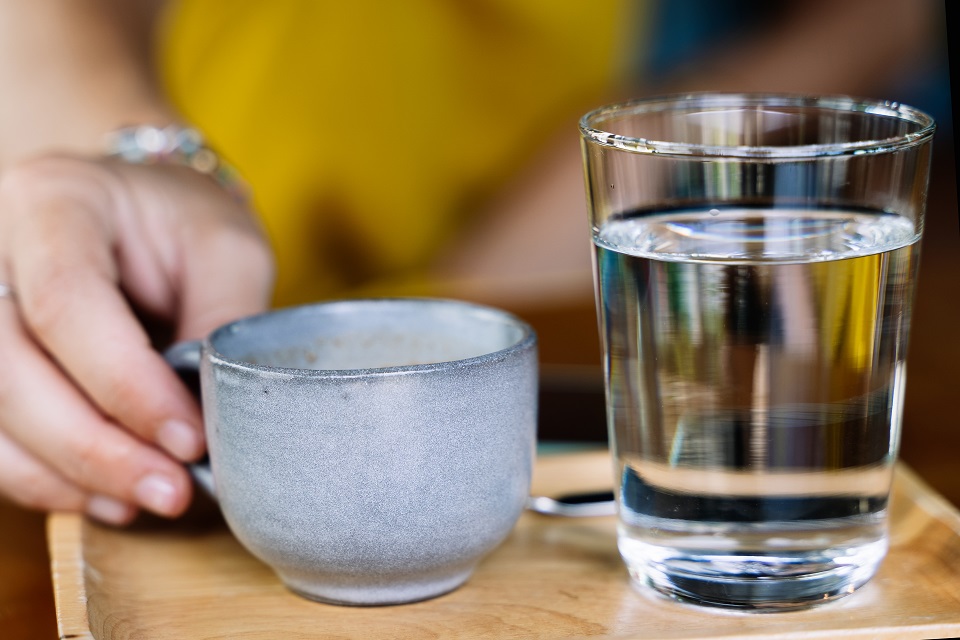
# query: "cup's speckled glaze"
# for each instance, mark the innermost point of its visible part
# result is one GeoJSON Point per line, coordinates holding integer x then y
{"type": "Point", "coordinates": [371, 451]}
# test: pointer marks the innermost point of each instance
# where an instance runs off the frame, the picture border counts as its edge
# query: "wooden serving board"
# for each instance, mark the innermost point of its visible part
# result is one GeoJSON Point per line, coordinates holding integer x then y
{"type": "Point", "coordinates": [553, 578]}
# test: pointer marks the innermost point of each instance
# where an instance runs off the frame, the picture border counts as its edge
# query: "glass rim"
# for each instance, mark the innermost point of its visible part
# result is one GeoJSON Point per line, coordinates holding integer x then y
{"type": "Point", "coordinates": [926, 126]}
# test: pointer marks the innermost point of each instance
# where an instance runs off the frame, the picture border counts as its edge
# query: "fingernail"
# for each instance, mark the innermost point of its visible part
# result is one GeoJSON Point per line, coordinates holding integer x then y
{"type": "Point", "coordinates": [158, 494]}
{"type": "Point", "coordinates": [109, 510]}
{"type": "Point", "coordinates": [180, 440]}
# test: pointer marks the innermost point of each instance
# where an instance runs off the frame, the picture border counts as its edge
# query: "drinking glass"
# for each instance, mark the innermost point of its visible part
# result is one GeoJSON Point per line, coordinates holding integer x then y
{"type": "Point", "coordinates": [755, 260]}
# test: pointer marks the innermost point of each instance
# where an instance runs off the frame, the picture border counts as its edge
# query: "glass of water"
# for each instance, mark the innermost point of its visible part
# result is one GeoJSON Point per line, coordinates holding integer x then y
{"type": "Point", "coordinates": [755, 260]}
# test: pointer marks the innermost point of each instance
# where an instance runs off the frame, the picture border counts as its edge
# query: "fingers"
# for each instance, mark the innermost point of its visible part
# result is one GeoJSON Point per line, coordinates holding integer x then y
{"type": "Point", "coordinates": [46, 417]}
{"type": "Point", "coordinates": [33, 485]}
{"type": "Point", "coordinates": [61, 257]}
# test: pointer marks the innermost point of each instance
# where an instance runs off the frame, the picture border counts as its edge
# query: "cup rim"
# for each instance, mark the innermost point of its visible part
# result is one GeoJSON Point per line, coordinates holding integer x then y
{"type": "Point", "coordinates": [527, 339]}
{"type": "Point", "coordinates": [590, 132]}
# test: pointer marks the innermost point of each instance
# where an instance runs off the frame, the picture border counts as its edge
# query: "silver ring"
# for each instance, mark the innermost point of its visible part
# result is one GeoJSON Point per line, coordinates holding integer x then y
{"type": "Point", "coordinates": [6, 291]}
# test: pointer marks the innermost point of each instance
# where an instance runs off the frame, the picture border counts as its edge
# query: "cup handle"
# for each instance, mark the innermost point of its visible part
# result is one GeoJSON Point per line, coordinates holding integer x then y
{"type": "Point", "coordinates": [184, 358]}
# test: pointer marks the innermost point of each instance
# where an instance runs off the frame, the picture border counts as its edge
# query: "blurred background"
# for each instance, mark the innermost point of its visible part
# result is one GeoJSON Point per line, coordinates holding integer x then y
{"type": "Point", "coordinates": [883, 49]}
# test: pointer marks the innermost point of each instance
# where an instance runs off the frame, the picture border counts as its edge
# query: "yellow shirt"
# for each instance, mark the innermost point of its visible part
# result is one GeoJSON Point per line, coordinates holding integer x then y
{"type": "Point", "coordinates": [370, 130]}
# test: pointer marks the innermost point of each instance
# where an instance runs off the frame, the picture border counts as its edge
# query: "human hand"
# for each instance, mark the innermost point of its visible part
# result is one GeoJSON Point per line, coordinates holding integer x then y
{"type": "Point", "coordinates": [91, 417]}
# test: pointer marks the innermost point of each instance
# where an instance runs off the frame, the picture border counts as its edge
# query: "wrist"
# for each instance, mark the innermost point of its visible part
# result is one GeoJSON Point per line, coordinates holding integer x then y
{"type": "Point", "coordinates": [77, 131]}
{"type": "Point", "coordinates": [177, 145]}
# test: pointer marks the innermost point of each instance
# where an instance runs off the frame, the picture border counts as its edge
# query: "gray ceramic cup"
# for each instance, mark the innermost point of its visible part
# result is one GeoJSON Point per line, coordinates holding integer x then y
{"type": "Point", "coordinates": [370, 451]}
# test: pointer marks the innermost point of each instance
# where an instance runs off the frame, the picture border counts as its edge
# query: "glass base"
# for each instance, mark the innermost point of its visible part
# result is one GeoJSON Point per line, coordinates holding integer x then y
{"type": "Point", "coordinates": [767, 582]}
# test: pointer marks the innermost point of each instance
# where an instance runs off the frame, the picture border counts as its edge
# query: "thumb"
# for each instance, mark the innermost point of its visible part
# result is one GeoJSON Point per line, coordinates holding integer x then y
{"type": "Point", "coordinates": [227, 274]}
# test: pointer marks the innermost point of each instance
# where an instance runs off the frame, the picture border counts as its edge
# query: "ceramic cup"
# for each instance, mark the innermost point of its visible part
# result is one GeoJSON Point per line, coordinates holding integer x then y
{"type": "Point", "coordinates": [370, 451]}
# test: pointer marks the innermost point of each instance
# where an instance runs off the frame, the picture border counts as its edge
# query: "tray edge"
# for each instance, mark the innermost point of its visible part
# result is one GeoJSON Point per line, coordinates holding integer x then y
{"type": "Point", "coordinates": [64, 540]}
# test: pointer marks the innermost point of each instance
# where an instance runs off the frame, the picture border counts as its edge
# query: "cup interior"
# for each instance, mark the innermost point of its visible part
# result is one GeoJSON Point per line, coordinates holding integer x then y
{"type": "Point", "coordinates": [369, 334]}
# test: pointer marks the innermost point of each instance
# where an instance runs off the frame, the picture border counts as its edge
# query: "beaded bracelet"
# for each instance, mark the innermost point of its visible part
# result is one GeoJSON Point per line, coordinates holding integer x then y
{"type": "Point", "coordinates": [148, 144]}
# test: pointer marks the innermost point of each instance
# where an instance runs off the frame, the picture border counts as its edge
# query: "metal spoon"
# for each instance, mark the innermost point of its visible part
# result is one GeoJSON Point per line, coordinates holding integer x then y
{"type": "Point", "coordinates": [578, 505]}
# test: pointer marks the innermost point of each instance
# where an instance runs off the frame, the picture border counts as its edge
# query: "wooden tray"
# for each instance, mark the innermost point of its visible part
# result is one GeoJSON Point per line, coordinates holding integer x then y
{"type": "Point", "coordinates": [553, 578]}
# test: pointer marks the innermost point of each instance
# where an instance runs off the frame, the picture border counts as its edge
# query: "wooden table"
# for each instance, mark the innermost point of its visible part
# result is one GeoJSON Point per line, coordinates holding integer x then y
{"type": "Point", "coordinates": [553, 578]}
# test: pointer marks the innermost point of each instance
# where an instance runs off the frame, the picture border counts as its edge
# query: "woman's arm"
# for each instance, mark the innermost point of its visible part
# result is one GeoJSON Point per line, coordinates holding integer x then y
{"type": "Point", "coordinates": [73, 70]}
{"type": "Point", "coordinates": [91, 417]}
